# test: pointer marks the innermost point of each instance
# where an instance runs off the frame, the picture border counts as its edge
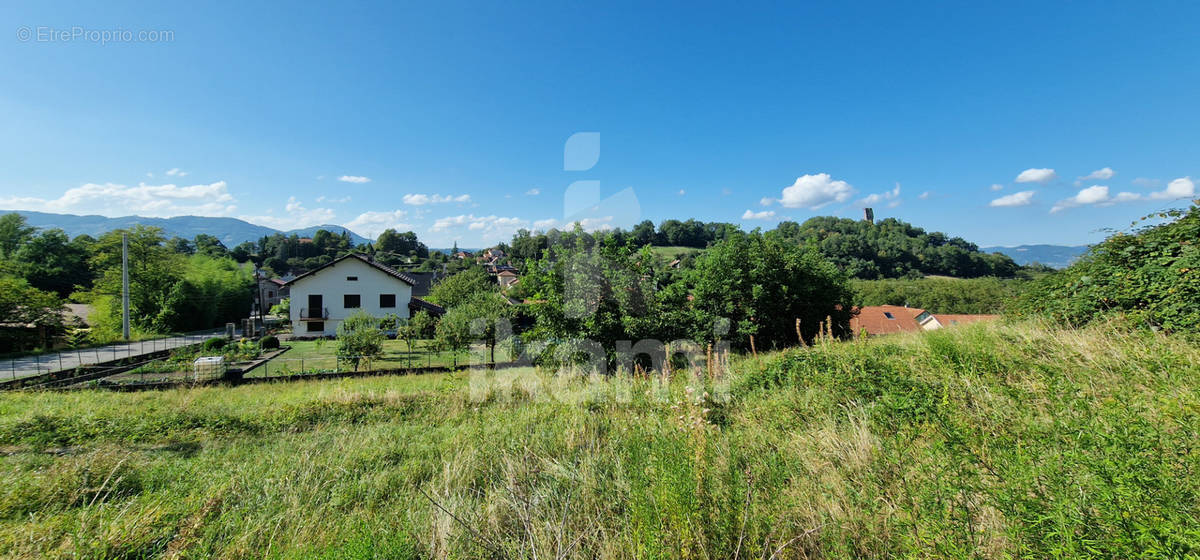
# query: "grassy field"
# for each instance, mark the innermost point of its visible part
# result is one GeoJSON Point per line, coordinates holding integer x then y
{"type": "Point", "coordinates": [321, 355]}
{"type": "Point", "coordinates": [993, 441]}
{"type": "Point", "coordinates": [669, 253]}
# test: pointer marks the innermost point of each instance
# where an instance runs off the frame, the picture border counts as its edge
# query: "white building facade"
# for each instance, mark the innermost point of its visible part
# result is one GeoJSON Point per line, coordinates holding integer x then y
{"type": "Point", "coordinates": [323, 298]}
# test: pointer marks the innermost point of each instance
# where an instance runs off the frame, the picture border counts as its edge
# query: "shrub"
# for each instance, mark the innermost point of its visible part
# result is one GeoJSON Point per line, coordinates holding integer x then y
{"type": "Point", "coordinates": [1152, 276]}
{"type": "Point", "coordinates": [215, 343]}
{"type": "Point", "coordinates": [359, 338]}
{"type": "Point", "coordinates": [268, 343]}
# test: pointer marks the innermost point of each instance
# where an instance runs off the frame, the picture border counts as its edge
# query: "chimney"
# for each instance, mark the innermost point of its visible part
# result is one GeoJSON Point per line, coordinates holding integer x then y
{"type": "Point", "coordinates": [868, 215]}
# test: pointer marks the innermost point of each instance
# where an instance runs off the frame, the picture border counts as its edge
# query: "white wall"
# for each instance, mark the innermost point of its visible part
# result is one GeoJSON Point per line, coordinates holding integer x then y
{"type": "Point", "coordinates": [331, 283]}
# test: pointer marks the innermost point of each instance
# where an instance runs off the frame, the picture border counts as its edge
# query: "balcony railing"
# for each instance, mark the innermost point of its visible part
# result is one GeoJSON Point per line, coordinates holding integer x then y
{"type": "Point", "coordinates": [314, 313]}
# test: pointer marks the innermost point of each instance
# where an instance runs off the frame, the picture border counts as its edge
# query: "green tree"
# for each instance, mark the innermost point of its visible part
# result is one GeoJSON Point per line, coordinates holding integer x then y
{"type": "Point", "coordinates": [153, 273]}
{"type": "Point", "coordinates": [14, 232]}
{"type": "Point", "coordinates": [763, 285]}
{"type": "Point", "coordinates": [283, 308]}
{"type": "Point", "coordinates": [401, 245]}
{"type": "Point", "coordinates": [50, 261]}
{"type": "Point", "coordinates": [21, 303]}
{"type": "Point", "coordinates": [180, 245]}
{"type": "Point", "coordinates": [210, 246]}
{"type": "Point", "coordinates": [422, 325]}
{"type": "Point", "coordinates": [359, 337]}
{"type": "Point", "coordinates": [244, 252]}
{"type": "Point", "coordinates": [456, 289]}
{"type": "Point", "coordinates": [1151, 275]}
{"type": "Point", "coordinates": [477, 319]}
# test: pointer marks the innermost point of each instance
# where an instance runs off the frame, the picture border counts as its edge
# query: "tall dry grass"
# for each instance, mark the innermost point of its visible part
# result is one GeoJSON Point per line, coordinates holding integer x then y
{"type": "Point", "coordinates": [995, 441]}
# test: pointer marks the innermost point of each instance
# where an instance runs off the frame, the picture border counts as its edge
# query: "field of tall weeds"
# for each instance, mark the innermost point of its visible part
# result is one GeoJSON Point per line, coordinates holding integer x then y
{"type": "Point", "coordinates": [988, 441]}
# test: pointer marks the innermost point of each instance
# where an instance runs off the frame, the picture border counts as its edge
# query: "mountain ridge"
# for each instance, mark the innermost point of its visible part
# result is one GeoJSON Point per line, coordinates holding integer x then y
{"type": "Point", "coordinates": [1055, 256]}
{"type": "Point", "coordinates": [231, 231]}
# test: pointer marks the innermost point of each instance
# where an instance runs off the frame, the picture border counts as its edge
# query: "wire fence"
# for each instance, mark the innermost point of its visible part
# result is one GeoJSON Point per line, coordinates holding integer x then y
{"type": "Point", "coordinates": [67, 359]}
{"type": "Point", "coordinates": [284, 366]}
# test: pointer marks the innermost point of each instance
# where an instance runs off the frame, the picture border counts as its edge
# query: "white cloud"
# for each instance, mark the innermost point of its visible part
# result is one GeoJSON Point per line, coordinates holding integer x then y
{"type": "Point", "coordinates": [110, 199]}
{"type": "Point", "coordinates": [1102, 174]}
{"type": "Point", "coordinates": [341, 200]}
{"type": "Point", "coordinates": [815, 191]}
{"type": "Point", "coordinates": [354, 179]}
{"type": "Point", "coordinates": [297, 216]}
{"type": "Point", "coordinates": [752, 215]}
{"type": "Point", "coordinates": [682, 192]}
{"type": "Point", "coordinates": [372, 223]}
{"type": "Point", "coordinates": [1096, 195]}
{"type": "Point", "coordinates": [423, 199]}
{"type": "Point", "coordinates": [766, 201]}
{"type": "Point", "coordinates": [924, 195]}
{"type": "Point", "coordinates": [996, 187]}
{"type": "Point", "coordinates": [1036, 175]}
{"type": "Point", "coordinates": [602, 223]}
{"type": "Point", "coordinates": [1092, 195]}
{"type": "Point", "coordinates": [496, 226]}
{"type": "Point", "coordinates": [1023, 198]}
{"type": "Point", "coordinates": [175, 172]}
{"type": "Point", "coordinates": [1182, 187]}
{"type": "Point", "coordinates": [533, 192]}
{"type": "Point", "coordinates": [893, 196]}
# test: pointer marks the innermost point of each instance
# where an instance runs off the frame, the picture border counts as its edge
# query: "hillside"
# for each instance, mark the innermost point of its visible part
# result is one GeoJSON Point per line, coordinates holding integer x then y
{"type": "Point", "coordinates": [992, 441]}
{"type": "Point", "coordinates": [1054, 256]}
{"type": "Point", "coordinates": [231, 231]}
{"type": "Point", "coordinates": [891, 248]}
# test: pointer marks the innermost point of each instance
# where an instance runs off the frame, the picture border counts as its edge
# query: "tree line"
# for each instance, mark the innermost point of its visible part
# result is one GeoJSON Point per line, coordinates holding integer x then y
{"type": "Point", "coordinates": [175, 285]}
{"type": "Point", "coordinates": [889, 248]}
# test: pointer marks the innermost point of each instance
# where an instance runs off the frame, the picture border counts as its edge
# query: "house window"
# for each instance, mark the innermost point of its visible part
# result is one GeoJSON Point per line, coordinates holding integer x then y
{"type": "Point", "coordinates": [351, 301]}
{"type": "Point", "coordinates": [316, 326]}
{"type": "Point", "coordinates": [888, 315]}
{"type": "Point", "coordinates": [352, 279]}
{"type": "Point", "coordinates": [270, 294]}
{"type": "Point", "coordinates": [387, 301]}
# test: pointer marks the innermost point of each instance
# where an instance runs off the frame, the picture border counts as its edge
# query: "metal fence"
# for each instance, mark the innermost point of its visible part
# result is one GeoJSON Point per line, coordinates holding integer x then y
{"type": "Point", "coordinates": [284, 366]}
{"type": "Point", "coordinates": [28, 366]}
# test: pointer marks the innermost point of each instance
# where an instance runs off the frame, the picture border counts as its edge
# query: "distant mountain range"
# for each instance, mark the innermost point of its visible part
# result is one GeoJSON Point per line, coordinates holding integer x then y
{"type": "Point", "coordinates": [1057, 256]}
{"type": "Point", "coordinates": [231, 231]}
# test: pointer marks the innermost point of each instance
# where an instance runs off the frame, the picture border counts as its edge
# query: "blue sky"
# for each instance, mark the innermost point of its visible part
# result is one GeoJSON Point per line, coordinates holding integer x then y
{"type": "Point", "coordinates": [451, 119]}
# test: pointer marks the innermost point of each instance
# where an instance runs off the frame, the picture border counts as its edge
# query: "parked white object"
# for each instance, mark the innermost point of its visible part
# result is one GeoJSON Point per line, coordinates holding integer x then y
{"type": "Point", "coordinates": [208, 367]}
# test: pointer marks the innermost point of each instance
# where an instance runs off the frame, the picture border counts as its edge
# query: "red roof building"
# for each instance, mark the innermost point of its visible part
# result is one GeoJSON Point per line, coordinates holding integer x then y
{"type": "Point", "coordinates": [888, 319]}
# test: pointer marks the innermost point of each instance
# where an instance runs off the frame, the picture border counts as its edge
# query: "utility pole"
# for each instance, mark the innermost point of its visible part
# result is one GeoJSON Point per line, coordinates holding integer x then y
{"type": "Point", "coordinates": [262, 302]}
{"type": "Point", "coordinates": [125, 285]}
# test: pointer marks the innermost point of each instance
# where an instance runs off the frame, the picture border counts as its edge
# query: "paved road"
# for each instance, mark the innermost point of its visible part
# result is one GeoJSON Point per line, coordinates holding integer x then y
{"type": "Point", "coordinates": [70, 359]}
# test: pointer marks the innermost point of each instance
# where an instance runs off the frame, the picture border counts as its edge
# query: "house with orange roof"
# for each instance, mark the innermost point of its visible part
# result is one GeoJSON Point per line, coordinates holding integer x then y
{"type": "Point", "coordinates": [889, 319]}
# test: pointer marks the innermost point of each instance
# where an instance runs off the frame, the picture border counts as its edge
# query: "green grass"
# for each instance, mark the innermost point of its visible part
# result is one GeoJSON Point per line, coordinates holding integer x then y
{"type": "Point", "coordinates": [321, 355]}
{"type": "Point", "coordinates": [993, 441]}
{"type": "Point", "coordinates": [669, 253]}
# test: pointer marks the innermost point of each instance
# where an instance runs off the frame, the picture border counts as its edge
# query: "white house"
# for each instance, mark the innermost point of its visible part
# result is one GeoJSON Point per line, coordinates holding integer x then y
{"type": "Point", "coordinates": [323, 297]}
